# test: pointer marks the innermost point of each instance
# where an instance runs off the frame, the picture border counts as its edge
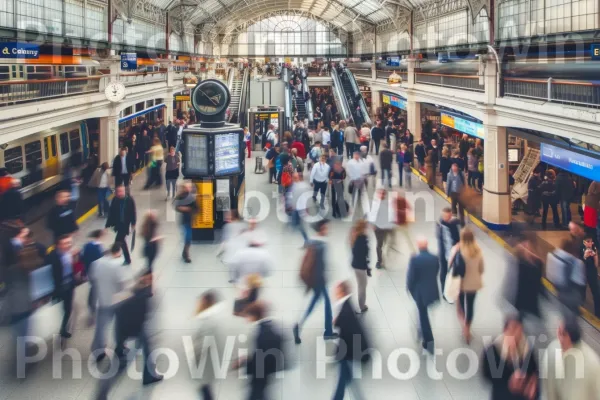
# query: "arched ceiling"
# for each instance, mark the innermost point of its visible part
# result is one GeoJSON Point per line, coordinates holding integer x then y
{"type": "Point", "coordinates": [223, 16]}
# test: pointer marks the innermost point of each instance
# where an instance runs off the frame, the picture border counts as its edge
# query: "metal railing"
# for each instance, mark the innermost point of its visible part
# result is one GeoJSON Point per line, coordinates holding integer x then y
{"type": "Point", "coordinates": [338, 94]}
{"type": "Point", "coordinates": [556, 91]}
{"type": "Point", "coordinates": [364, 72]}
{"type": "Point", "coordinates": [384, 74]}
{"type": "Point", "coordinates": [142, 78]}
{"type": "Point", "coordinates": [306, 89]}
{"type": "Point", "coordinates": [24, 91]}
{"type": "Point", "coordinates": [361, 101]}
{"type": "Point", "coordinates": [469, 82]}
{"type": "Point", "coordinates": [243, 107]}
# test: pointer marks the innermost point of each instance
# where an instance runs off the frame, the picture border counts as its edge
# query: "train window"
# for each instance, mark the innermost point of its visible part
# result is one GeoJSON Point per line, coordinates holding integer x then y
{"type": "Point", "coordinates": [30, 69]}
{"type": "Point", "coordinates": [46, 149]}
{"type": "Point", "coordinates": [13, 160]}
{"type": "Point", "coordinates": [75, 140]}
{"type": "Point", "coordinates": [53, 141]}
{"type": "Point", "coordinates": [33, 154]}
{"type": "Point", "coordinates": [64, 143]}
{"type": "Point", "coordinates": [4, 72]}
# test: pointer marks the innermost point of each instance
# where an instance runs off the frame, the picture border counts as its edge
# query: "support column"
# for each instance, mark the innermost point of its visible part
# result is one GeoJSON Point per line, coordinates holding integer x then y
{"type": "Point", "coordinates": [375, 101]}
{"type": "Point", "coordinates": [169, 107]}
{"type": "Point", "coordinates": [496, 211]}
{"type": "Point", "coordinates": [413, 109]}
{"type": "Point", "coordinates": [109, 138]}
{"type": "Point", "coordinates": [373, 69]}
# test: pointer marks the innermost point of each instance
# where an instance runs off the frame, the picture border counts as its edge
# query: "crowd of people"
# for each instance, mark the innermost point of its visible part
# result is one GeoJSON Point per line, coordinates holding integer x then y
{"type": "Point", "coordinates": [306, 164]}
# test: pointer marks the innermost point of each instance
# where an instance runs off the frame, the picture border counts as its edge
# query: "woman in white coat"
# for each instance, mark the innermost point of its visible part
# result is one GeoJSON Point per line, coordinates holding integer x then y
{"type": "Point", "coordinates": [233, 241]}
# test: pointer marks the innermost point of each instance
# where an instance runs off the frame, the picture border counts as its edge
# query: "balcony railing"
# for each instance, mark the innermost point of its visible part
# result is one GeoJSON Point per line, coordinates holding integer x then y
{"type": "Point", "coordinates": [362, 72]}
{"type": "Point", "coordinates": [556, 91]}
{"type": "Point", "coordinates": [384, 74]}
{"type": "Point", "coordinates": [13, 92]}
{"type": "Point", "coordinates": [469, 82]}
{"type": "Point", "coordinates": [142, 78]}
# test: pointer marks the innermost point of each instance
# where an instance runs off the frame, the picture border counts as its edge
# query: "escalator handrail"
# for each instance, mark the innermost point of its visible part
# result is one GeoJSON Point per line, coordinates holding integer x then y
{"type": "Point", "coordinates": [342, 101]}
{"type": "Point", "coordinates": [356, 90]}
{"type": "Point", "coordinates": [309, 108]}
{"type": "Point", "coordinates": [230, 78]}
{"type": "Point", "coordinates": [243, 104]}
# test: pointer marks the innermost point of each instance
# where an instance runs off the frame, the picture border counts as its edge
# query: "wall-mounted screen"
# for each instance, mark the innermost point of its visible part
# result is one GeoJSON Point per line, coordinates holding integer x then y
{"type": "Point", "coordinates": [227, 153]}
{"type": "Point", "coordinates": [196, 154]}
{"type": "Point", "coordinates": [513, 155]}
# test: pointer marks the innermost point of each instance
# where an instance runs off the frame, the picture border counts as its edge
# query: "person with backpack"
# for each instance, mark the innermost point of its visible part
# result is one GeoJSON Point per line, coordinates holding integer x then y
{"type": "Point", "coordinates": [312, 273]}
{"type": "Point", "coordinates": [455, 183]}
{"type": "Point", "coordinates": [92, 251]}
{"type": "Point", "coordinates": [272, 157]}
{"type": "Point", "coordinates": [319, 177]}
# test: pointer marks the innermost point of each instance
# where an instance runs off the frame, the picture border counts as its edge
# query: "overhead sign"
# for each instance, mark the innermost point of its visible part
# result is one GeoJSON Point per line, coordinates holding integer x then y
{"type": "Point", "coordinates": [596, 52]}
{"type": "Point", "coordinates": [463, 125]}
{"type": "Point", "coordinates": [129, 61]}
{"type": "Point", "coordinates": [394, 101]}
{"type": "Point", "coordinates": [19, 50]}
{"type": "Point", "coordinates": [393, 61]}
{"type": "Point", "coordinates": [576, 163]}
{"type": "Point", "coordinates": [182, 98]}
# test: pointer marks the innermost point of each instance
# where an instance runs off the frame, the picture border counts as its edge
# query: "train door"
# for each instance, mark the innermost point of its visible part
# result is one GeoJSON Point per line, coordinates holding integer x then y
{"type": "Point", "coordinates": [51, 156]}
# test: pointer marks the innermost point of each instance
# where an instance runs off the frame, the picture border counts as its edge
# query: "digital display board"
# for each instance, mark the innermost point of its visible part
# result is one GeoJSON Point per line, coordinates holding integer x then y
{"type": "Point", "coordinates": [394, 101]}
{"type": "Point", "coordinates": [577, 163]}
{"type": "Point", "coordinates": [393, 61]}
{"type": "Point", "coordinates": [196, 154]}
{"type": "Point", "coordinates": [513, 155]}
{"type": "Point", "coordinates": [463, 125]}
{"type": "Point", "coordinates": [227, 153]}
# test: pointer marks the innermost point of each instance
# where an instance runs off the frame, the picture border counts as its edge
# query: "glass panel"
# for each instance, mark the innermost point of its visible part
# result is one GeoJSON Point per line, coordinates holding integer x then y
{"type": "Point", "coordinates": [13, 160]}
{"type": "Point", "coordinates": [75, 140]}
{"type": "Point", "coordinates": [64, 143]}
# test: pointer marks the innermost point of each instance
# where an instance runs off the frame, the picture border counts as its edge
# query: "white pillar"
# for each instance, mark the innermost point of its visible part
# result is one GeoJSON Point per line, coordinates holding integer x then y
{"type": "Point", "coordinates": [109, 138]}
{"type": "Point", "coordinates": [490, 78]}
{"type": "Point", "coordinates": [496, 211]}
{"type": "Point", "coordinates": [373, 69]}
{"type": "Point", "coordinates": [413, 109]}
{"type": "Point", "coordinates": [169, 106]}
{"type": "Point", "coordinates": [375, 101]}
{"type": "Point", "coordinates": [413, 66]}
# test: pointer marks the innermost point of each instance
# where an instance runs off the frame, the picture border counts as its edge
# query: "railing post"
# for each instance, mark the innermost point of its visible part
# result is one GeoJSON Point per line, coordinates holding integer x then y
{"type": "Point", "coordinates": [66, 87]}
{"type": "Point", "coordinates": [549, 89]}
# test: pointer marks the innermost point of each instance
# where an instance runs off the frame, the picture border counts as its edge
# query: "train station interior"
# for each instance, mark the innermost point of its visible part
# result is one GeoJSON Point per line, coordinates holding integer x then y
{"type": "Point", "coordinates": [225, 159]}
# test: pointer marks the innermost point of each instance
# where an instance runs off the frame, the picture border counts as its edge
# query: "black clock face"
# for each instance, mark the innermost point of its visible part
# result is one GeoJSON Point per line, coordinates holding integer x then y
{"type": "Point", "coordinates": [210, 98]}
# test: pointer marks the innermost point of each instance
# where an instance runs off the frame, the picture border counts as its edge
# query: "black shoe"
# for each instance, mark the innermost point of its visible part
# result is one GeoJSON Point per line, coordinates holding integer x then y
{"type": "Point", "coordinates": [369, 272]}
{"type": "Point", "coordinates": [153, 379]}
{"type": "Point", "coordinates": [379, 265]}
{"type": "Point", "coordinates": [332, 336]}
{"type": "Point", "coordinates": [100, 357]}
{"type": "Point", "coordinates": [296, 331]}
{"type": "Point", "coordinates": [364, 310]}
{"type": "Point", "coordinates": [65, 335]}
{"type": "Point", "coordinates": [127, 262]}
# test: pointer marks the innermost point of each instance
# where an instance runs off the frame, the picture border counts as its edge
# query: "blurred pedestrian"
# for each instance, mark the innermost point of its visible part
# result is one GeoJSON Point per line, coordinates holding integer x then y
{"type": "Point", "coordinates": [173, 162]}
{"type": "Point", "coordinates": [61, 217]}
{"type": "Point", "coordinates": [511, 365]}
{"type": "Point", "coordinates": [566, 271]}
{"type": "Point", "coordinates": [359, 243]}
{"type": "Point", "coordinates": [383, 219]}
{"type": "Point", "coordinates": [251, 259]}
{"type": "Point", "coordinates": [421, 282]}
{"type": "Point", "coordinates": [11, 202]}
{"type": "Point", "coordinates": [353, 339]}
{"type": "Point", "coordinates": [386, 159]}
{"type": "Point", "coordinates": [122, 217]}
{"type": "Point", "coordinates": [232, 240]}
{"type": "Point", "coordinates": [92, 251]}
{"type": "Point", "coordinates": [151, 238]}
{"type": "Point", "coordinates": [448, 235]}
{"type": "Point", "coordinates": [61, 260]}
{"type": "Point", "coordinates": [101, 182]}
{"type": "Point", "coordinates": [467, 262]}
{"type": "Point", "coordinates": [455, 184]}
{"type": "Point", "coordinates": [589, 255]}
{"type": "Point", "coordinates": [185, 204]}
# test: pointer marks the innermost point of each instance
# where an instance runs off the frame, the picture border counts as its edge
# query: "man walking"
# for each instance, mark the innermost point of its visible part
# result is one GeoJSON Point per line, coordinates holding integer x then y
{"type": "Point", "coordinates": [319, 177]}
{"type": "Point", "coordinates": [61, 218]}
{"type": "Point", "coordinates": [109, 278]}
{"type": "Point", "coordinates": [454, 186]}
{"type": "Point", "coordinates": [122, 168]}
{"type": "Point", "coordinates": [386, 159]}
{"type": "Point", "coordinates": [297, 199]}
{"type": "Point", "coordinates": [422, 285]}
{"type": "Point", "coordinates": [61, 260]}
{"type": "Point", "coordinates": [122, 215]}
{"type": "Point", "coordinates": [383, 219]}
{"type": "Point", "coordinates": [448, 234]}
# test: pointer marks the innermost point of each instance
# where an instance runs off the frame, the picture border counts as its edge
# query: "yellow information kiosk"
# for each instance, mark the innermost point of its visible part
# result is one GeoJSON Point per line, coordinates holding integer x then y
{"type": "Point", "coordinates": [213, 158]}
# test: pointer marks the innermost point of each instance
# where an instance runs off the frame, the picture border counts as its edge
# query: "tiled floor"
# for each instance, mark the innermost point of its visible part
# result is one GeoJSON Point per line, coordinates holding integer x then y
{"type": "Point", "coordinates": [390, 322]}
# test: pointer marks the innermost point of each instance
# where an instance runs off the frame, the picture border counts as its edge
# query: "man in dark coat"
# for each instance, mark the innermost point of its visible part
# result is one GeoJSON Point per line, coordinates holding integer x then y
{"type": "Point", "coordinates": [63, 276]}
{"type": "Point", "coordinates": [61, 218]}
{"type": "Point", "coordinates": [352, 335]}
{"type": "Point", "coordinates": [11, 202]}
{"type": "Point", "coordinates": [122, 168]}
{"type": "Point", "coordinates": [171, 135]}
{"type": "Point", "coordinates": [534, 196]}
{"type": "Point", "coordinates": [122, 215]}
{"type": "Point", "coordinates": [421, 282]}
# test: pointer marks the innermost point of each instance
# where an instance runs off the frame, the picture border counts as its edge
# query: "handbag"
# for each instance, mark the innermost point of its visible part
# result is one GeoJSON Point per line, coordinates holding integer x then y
{"type": "Point", "coordinates": [452, 286]}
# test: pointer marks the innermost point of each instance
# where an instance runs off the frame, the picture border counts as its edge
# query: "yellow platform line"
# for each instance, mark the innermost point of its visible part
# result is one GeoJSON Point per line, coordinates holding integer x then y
{"type": "Point", "coordinates": [586, 315]}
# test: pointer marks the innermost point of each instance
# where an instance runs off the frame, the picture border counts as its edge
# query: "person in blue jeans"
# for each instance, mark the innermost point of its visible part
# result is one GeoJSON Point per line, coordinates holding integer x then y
{"type": "Point", "coordinates": [185, 204]}
{"type": "Point", "coordinates": [318, 282]}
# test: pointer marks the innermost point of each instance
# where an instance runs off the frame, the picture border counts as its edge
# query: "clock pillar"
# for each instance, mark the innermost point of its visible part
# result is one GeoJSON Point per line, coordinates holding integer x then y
{"type": "Point", "coordinates": [109, 138]}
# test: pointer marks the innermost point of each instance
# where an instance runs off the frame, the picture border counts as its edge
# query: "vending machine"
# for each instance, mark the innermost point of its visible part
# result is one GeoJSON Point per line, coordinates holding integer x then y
{"type": "Point", "coordinates": [213, 159]}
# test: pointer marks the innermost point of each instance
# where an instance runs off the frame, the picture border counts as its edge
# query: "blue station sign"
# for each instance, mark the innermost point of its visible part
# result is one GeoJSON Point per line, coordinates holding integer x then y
{"type": "Point", "coordinates": [596, 52]}
{"type": "Point", "coordinates": [19, 50]}
{"type": "Point", "coordinates": [576, 163]}
{"type": "Point", "coordinates": [128, 61]}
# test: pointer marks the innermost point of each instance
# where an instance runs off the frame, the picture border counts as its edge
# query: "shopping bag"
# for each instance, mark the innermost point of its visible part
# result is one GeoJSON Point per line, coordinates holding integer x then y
{"type": "Point", "coordinates": [452, 286]}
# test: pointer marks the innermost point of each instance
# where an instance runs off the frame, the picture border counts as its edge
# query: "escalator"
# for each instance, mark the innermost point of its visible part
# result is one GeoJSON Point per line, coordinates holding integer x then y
{"type": "Point", "coordinates": [305, 108]}
{"type": "Point", "coordinates": [357, 107]}
{"type": "Point", "coordinates": [237, 84]}
{"type": "Point", "coordinates": [340, 98]}
{"type": "Point", "coordinates": [289, 102]}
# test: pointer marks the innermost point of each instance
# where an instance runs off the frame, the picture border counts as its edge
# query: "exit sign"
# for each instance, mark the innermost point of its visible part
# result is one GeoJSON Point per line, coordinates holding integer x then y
{"type": "Point", "coordinates": [596, 52]}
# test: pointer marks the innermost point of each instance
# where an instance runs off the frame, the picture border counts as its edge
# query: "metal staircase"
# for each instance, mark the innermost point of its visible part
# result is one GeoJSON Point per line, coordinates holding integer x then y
{"type": "Point", "coordinates": [523, 173]}
{"type": "Point", "coordinates": [236, 95]}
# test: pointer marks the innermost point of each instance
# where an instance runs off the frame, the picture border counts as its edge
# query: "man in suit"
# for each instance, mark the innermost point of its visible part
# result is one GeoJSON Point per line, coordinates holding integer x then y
{"type": "Point", "coordinates": [122, 215]}
{"type": "Point", "coordinates": [122, 168]}
{"type": "Point", "coordinates": [448, 234]}
{"type": "Point", "coordinates": [268, 357]}
{"type": "Point", "coordinates": [421, 282]}
{"type": "Point", "coordinates": [61, 218]}
{"type": "Point", "coordinates": [61, 260]}
{"type": "Point", "coordinates": [353, 337]}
